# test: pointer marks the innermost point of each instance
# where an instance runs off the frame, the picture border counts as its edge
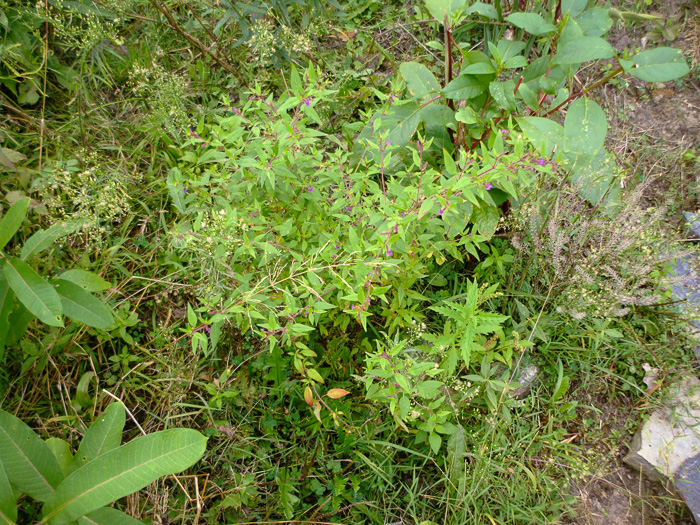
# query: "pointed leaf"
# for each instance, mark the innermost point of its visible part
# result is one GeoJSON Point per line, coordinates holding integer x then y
{"type": "Point", "coordinates": [8, 503]}
{"type": "Point", "coordinates": [419, 80]}
{"type": "Point", "coordinates": [29, 463]}
{"type": "Point", "coordinates": [337, 393]}
{"type": "Point", "coordinates": [34, 293]}
{"type": "Point", "coordinates": [87, 280]}
{"type": "Point", "coordinates": [45, 238]}
{"type": "Point", "coordinates": [504, 94]}
{"type": "Point", "coordinates": [12, 220]}
{"type": "Point", "coordinates": [465, 87]}
{"type": "Point", "coordinates": [104, 434]}
{"type": "Point", "coordinates": [82, 306]}
{"type": "Point", "coordinates": [123, 471]}
{"type": "Point", "coordinates": [108, 516]}
{"type": "Point", "coordinates": [659, 65]}
{"type": "Point", "coordinates": [581, 50]}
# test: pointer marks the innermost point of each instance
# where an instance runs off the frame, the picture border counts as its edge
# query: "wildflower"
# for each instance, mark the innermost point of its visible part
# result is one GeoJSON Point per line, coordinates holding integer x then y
{"type": "Point", "coordinates": [387, 143]}
{"type": "Point", "coordinates": [310, 190]}
{"type": "Point", "coordinates": [208, 329]}
{"type": "Point", "coordinates": [348, 209]}
{"type": "Point", "coordinates": [442, 210]}
{"type": "Point", "coordinates": [184, 190]}
{"type": "Point", "coordinates": [541, 161]}
{"type": "Point", "coordinates": [389, 253]}
{"type": "Point", "coordinates": [403, 214]}
{"type": "Point", "coordinates": [337, 246]}
{"type": "Point", "coordinates": [488, 186]}
{"type": "Point", "coordinates": [307, 101]}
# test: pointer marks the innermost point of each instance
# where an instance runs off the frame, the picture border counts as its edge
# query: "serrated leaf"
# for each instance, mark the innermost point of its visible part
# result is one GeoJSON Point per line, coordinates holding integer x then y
{"type": "Point", "coordinates": [337, 393]}
{"type": "Point", "coordinates": [419, 80]}
{"type": "Point", "coordinates": [104, 434]}
{"type": "Point", "coordinates": [108, 516]}
{"type": "Point", "coordinates": [37, 295]}
{"type": "Point", "coordinates": [29, 463]}
{"type": "Point", "coordinates": [86, 280]}
{"type": "Point", "coordinates": [123, 471]}
{"type": "Point", "coordinates": [583, 50]}
{"type": "Point", "coordinates": [12, 220]}
{"type": "Point", "coordinates": [8, 504]}
{"type": "Point", "coordinates": [531, 22]}
{"type": "Point", "coordinates": [82, 306]}
{"type": "Point", "coordinates": [438, 9]}
{"type": "Point", "coordinates": [659, 65]}
{"type": "Point", "coordinates": [45, 238]}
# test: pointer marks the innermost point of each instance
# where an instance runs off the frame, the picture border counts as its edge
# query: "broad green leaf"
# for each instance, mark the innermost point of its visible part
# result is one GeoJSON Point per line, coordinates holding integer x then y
{"type": "Point", "coordinates": [87, 280]}
{"type": "Point", "coordinates": [503, 93]}
{"type": "Point", "coordinates": [529, 96]}
{"type": "Point", "coordinates": [37, 295]}
{"type": "Point", "coordinates": [583, 50]}
{"type": "Point", "coordinates": [8, 503]}
{"type": "Point", "coordinates": [456, 453]}
{"type": "Point", "coordinates": [531, 22]}
{"type": "Point", "coordinates": [19, 320]}
{"type": "Point", "coordinates": [468, 115]}
{"type": "Point", "coordinates": [29, 463]}
{"type": "Point", "coordinates": [438, 9]}
{"type": "Point", "coordinates": [482, 9]}
{"type": "Point", "coordinates": [7, 297]}
{"type": "Point", "coordinates": [598, 182]}
{"type": "Point", "coordinates": [123, 471]}
{"type": "Point", "coordinates": [465, 87]}
{"type": "Point", "coordinates": [419, 80]}
{"type": "Point", "coordinates": [12, 220]}
{"type": "Point", "coordinates": [108, 516]}
{"type": "Point", "coordinates": [82, 306]}
{"type": "Point", "coordinates": [480, 68]}
{"type": "Point", "coordinates": [435, 442]}
{"type": "Point", "coordinates": [585, 128]}
{"type": "Point", "coordinates": [45, 238]}
{"type": "Point", "coordinates": [485, 219]}
{"type": "Point", "coordinates": [595, 21]}
{"type": "Point", "coordinates": [573, 7]}
{"type": "Point", "coordinates": [61, 451]}
{"type": "Point", "coordinates": [544, 133]}
{"type": "Point", "coordinates": [659, 65]}
{"type": "Point", "coordinates": [104, 434]}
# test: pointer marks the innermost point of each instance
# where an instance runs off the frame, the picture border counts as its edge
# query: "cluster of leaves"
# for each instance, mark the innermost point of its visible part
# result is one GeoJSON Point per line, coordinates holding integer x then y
{"type": "Point", "coordinates": [78, 487]}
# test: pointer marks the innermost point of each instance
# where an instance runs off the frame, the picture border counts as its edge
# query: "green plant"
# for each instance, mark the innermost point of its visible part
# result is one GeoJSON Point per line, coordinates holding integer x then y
{"type": "Point", "coordinates": [77, 487]}
{"type": "Point", "coordinates": [25, 295]}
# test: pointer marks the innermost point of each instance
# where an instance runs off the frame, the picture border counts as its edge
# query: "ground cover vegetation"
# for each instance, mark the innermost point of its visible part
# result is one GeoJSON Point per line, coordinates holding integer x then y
{"type": "Point", "coordinates": [310, 249]}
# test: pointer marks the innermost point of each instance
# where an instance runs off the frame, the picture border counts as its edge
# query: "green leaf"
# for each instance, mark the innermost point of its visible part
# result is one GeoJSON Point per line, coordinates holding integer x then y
{"type": "Point", "coordinates": [529, 96]}
{"type": "Point", "coordinates": [83, 307]}
{"type": "Point", "coordinates": [8, 503]}
{"type": "Point", "coordinates": [34, 293]}
{"type": "Point", "coordinates": [598, 182]}
{"type": "Point", "coordinates": [123, 471]}
{"type": "Point", "coordinates": [12, 221]}
{"type": "Point", "coordinates": [61, 451]}
{"type": "Point", "coordinates": [485, 219]}
{"type": "Point", "coordinates": [7, 298]}
{"type": "Point", "coordinates": [19, 320]}
{"type": "Point", "coordinates": [582, 50]}
{"type": "Point", "coordinates": [456, 453]}
{"type": "Point", "coordinates": [438, 9]}
{"type": "Point", "coordinates": [543, 132]}
{"type": "Point", "coordinates": [657, 65]}
{"type": "Point", "coordinates": [104, 434]}
{"type": "Point", "coordinates": [87, 280]}
{"type": "Point", "coordinates": [585, 128]}
{"type": "Point", "coordinates": [29, 463]}
{"type": "Point", "coordinates": [435, 442]}
{"type": "Point", "coordinates": [108, 516]}
{"type": "Point", "coordinates": [482, 9]}
{"type": "Point", "coordinates": [595, 21]}
{"type": "Point", "coordinates": [45, 238]}
{"type": "Point", "coordinates": [465, 87]}
{"type": "Point", "coordinates": [419, 80]}
{"type": "Point", "coordinates": [531, 22]}
{"type": "Point", "coordinates": [503, 93]}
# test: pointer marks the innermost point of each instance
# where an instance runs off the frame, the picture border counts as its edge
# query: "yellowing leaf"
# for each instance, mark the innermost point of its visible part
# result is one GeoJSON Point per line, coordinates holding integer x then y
{"type": "Point", "coordinates": [337, 393]}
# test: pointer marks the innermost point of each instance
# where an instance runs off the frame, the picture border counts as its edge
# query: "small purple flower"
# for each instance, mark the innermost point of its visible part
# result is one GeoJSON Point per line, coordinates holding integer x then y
{"type": "Point", "coordinates": [507, 177]}
{"type": "Point", "coordinates": [307, 101]}
{"type": "Point", "coordinates": [387, 143]}
{"type": "Point", "coordinates": [208, 329]}
{"type": "Point", "coordinates": [310, 190]}
{"type": "Point", "coordinates": [442, 210]}
{"type": "Point", "coordinates": [403, 214]}
{"type": "Point", "coordinates": [389, 253]}
{"type": "Point", "coordinates": [348, 209]}
{"type": "Point", "coordinates": [337, 246]}
{"type": "Point", "coordinates": [334, 256]}
{"type": "Point", "coordinates": [504, 131]}
{"type": "Point", "coordinates": [184, 190]}
{"type": "Point", "coordinates": [488, 186]}
{"type": "Point", "coordinates": [541, 161]}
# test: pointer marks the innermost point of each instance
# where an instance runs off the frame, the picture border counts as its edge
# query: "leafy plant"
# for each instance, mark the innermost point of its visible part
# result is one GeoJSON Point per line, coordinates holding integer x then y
{"type": "Point", "coordinates": [25, 295]}
{"type": "Point", "coordinates": [77, 487]}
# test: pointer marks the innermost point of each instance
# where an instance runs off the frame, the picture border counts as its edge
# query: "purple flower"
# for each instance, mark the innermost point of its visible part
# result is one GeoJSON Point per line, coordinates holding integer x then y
{"type": "Point", "coordinates": [307, 101]}
{"type": "Point", "coordinates": [208, 329]}
{"type": "Point", "coordinates": [387, 143]}
{"type": "Point", "coordinates": [504, 131]}
{"type": "Point", "coordinates": [310, 190]}
{"type": "Point", "coordinates": [389, 253]}
{"type": "Point", "coordinates": [488, 186]}
{"type": "Point", "coordinates": [184, 190]}
{"type": "Point", "coordinates": [403, 214]}
{"type": "Point", "coordinates": [541, 161]}
{"type": "Point", "coordinates": [348, 209]}
{"type": "Point", "coordinates": [337, 246]}
{"type": "Point", "coordinates": [442, 210]}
